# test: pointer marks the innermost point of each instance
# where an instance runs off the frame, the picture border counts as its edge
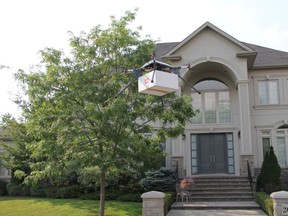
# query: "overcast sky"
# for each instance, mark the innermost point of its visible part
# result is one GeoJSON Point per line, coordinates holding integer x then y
{"type": "Point", "coordinates": [27, 26]}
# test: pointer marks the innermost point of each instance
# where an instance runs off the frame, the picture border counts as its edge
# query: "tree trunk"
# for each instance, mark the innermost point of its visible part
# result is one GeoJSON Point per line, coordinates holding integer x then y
{"type": "Point", "coordinates": [102, 194]}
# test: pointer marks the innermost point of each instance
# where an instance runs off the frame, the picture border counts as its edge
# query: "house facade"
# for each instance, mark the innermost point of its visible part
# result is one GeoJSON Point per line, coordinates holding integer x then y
{"type": "Point", "coordinates": [242, 108]}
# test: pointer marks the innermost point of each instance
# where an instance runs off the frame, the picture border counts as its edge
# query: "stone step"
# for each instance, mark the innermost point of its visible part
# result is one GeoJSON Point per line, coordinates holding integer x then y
{"type": "Point", "coordinates": [221, 189]}
{"type": "Point", "coordinates": [218, 199]}
{"type": "Point", "coordinates": [221, 186]}
{"type": "Point", "coordinates": [221, 181]}
{"type": "Point", "coordinates": [220, 193]}
{"type": "Point", "coordinates": [216, 205]}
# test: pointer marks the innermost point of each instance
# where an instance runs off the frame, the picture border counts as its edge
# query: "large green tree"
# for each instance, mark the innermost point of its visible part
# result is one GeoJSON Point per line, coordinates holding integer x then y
{"type": "Point", "coordinates": [77, 117]}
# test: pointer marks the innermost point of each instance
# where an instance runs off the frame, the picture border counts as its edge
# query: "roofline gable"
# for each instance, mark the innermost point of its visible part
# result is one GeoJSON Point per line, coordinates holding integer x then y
{"type": "Point", "coordinates": [216, 29]}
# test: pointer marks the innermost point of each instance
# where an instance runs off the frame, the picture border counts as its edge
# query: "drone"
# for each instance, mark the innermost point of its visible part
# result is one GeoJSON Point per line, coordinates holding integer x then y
{"type": "Point", "coordinates": [158, 78]}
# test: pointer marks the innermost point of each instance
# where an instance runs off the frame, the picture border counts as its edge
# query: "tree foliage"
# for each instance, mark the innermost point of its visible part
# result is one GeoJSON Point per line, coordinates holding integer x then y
{"type": "Point", "coordinates": [163, 180]}
{"type": "Point", "coordinates": [16, 156]}
{"type": "Point", "coordinates": [269, 177]}
{"type": "Point", "coordinates": [76, 116]}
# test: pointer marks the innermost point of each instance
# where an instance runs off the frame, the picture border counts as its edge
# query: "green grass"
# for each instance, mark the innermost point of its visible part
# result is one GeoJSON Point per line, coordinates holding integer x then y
{"type": "Point", "coordinates": [27, 206]}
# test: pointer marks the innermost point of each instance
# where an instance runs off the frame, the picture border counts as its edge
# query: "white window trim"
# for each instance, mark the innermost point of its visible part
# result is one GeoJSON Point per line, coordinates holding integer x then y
{"type": "Point", "coordinates": [203, 110]}
{"type": "Point", "coordinates": [256, 90]}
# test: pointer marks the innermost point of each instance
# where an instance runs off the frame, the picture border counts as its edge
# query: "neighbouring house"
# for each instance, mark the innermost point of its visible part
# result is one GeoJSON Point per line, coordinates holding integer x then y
{"type": "Point", "coordinates": [243, 105]}
{"type": "Point", "coordinates": [5, 174]}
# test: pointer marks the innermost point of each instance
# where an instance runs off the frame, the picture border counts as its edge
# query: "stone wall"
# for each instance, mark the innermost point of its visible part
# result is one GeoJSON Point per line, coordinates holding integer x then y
{"type": "Point", "coordinates": [178, 160]}
{"type": "Point", "coordinates": [243, 165]}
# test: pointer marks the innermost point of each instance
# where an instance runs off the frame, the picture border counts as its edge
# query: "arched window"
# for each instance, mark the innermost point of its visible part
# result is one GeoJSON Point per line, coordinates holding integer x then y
{"type": "Point", "coordinates": [213, 103]}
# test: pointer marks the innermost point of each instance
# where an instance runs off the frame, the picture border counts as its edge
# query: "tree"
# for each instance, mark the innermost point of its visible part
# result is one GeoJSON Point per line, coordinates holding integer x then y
{"type": "Point", "coordinates": [16, 156]}
{"type": "Point", "coordinates": [269, 177]}
{"type": "Point", "coordinates": [77, 117]}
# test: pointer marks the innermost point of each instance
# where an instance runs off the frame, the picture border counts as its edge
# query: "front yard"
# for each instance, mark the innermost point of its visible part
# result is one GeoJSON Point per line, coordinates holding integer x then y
{"type": "Point", "coordinates": [27, 206]}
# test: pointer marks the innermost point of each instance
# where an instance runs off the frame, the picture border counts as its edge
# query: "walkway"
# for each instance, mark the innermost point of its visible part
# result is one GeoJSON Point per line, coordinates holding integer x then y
{"type": "Point", "coordinates": [216, 209]}
{"type": "Point", "coordinates": [215, 213]}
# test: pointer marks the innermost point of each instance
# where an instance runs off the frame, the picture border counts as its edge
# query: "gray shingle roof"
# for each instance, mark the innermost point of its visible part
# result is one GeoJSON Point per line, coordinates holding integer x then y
{"type": "Point", "coordinates": [162, 48]}
{"type": "Point", "coordinates": [266, 57]}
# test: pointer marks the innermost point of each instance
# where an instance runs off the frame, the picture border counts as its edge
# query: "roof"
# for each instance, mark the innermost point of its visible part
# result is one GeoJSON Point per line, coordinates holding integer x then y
{"type": "Point", "coordinates": [265, 58]}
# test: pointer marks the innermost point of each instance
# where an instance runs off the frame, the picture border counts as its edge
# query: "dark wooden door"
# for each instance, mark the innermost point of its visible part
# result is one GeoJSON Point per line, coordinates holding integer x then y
{"type": "Point", "coordinates": [212, 153]}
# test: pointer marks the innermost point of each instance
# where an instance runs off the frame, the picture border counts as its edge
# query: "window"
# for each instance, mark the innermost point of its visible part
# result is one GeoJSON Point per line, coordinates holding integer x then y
{"type": "Point", "coordinates": [265, 145]}
{"type": "Point", "coordinates": [210, 107]}
{"type": "Point", "coordinates": [196, 103]}
{"type": "Point", "coordinates": [194, 164]}
{"type": "Point", "coordinates": [224, 107]}
{"type": "Point", "coordinates": [213, 103]}
{"type": "Point", "coordinates": [281, 151]}
{"type": "Point", "coordinates": [230, 151]}
{"type": "Point", "coordinates": [268, 92]}
{"type": "Point", "coordinates": [282, 141]}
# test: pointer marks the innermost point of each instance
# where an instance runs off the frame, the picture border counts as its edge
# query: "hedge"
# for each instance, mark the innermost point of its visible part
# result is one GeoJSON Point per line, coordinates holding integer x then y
{"type": "Point", "coordinates": [168, 201]}
{"type": "Point", "coordinates": [3, 190]}
{"type": "Point", "coordinates": [265, 201]}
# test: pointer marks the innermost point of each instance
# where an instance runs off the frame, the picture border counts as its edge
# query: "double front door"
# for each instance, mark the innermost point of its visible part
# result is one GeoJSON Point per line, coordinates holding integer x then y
{"type": "Point", "coordinates": [212, 153]}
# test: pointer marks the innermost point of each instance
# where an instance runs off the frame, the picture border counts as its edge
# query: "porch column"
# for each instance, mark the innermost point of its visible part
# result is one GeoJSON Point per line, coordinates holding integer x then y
{"type": "Point", "coordinates": [245, 128]}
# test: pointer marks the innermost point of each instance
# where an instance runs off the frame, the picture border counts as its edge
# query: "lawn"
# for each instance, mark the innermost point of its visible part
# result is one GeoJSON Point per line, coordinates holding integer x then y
{"type": "Point", "coordinates": [27, 206]}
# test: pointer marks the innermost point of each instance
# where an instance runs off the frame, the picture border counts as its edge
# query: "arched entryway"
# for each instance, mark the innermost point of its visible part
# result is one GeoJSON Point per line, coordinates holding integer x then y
{"type": "Point", "coordinates": [213, 134]}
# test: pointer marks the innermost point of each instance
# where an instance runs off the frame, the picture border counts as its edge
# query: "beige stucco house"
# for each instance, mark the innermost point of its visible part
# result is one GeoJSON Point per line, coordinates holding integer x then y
{"type": "Point", "coordinates": [243, 103]}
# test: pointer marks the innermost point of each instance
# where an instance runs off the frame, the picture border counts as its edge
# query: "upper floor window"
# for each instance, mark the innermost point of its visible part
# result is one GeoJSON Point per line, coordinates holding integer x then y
{"type": "Point", "coordinates": [213, 103]}
{"type": "Point", "coordinates": [268, 92]}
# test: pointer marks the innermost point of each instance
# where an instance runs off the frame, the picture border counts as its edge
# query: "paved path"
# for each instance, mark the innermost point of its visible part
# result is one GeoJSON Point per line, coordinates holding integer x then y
{"type": "Point", "coordinates": [246, 208]}
{"type": "Point", "coordinates": [215, 212]}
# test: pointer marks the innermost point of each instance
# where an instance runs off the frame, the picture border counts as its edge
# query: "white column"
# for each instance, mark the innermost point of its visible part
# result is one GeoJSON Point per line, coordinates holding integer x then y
{"type": "Point", "coordinates": [245, 121]}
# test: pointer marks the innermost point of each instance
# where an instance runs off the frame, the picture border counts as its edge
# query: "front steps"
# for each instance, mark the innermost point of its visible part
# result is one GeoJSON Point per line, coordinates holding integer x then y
{"type": "Point", "coordinates": [219, 192]}
{"type": "Point", "coordinates": [236, 205]}
{"type": "Point", "coordinates": [216, 189]}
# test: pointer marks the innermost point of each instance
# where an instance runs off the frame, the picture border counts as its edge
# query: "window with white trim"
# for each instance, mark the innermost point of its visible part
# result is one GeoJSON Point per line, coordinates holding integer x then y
{"type": "Point", "coordinates": [266, 142]}
{"type": "Point", "coordinates": [282, 142]}
{"type": "Point", "coordinates": [268, 92]}
{"type": "Point", "coordinates": [213, 103]}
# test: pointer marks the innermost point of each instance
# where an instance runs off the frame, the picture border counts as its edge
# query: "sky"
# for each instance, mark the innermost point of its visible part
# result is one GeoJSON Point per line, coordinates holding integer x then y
{"type": "Point", "coordinates": [26, 27]}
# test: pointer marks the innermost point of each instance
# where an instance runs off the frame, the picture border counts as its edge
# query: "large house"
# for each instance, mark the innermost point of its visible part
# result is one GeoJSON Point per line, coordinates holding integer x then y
{"type": "Point", "coordinates": [243, 105]}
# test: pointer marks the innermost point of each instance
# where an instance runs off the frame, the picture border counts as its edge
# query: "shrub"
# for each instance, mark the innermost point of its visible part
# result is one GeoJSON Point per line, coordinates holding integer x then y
{"type": "Point", "coordinates": [3, 190]}
{"type": "Point", "coordinates": [265, 201]}
{"type": "Point", "coordinates": [70, 191]}
{"type": "Point", "coordinates": [136, 197]}
{"type": "Point", "coordinates": [168, 201]}
{"type": "Point", "coordinates": [114, 195]}
{"type": "Point", "coordinates": [269, 177]}
{"type": "Point", "coordinates": [18, 189]}
{"type": "Point", "coordinates": [91, 196]}
{"type": "Point", "coordinates": [163, 180]}
{"type": "Point", "coordinates": [89, 179]}
{"type": "Point", "coordinates": [37, 191]}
